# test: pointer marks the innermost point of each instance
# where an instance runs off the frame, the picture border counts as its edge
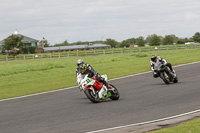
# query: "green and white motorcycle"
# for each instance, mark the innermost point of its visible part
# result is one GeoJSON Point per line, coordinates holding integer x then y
{"type": "Point", "coordinates": [95, 90]}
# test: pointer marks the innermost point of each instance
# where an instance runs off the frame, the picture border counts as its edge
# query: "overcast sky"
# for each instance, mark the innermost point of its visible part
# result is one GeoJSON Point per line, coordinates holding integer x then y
{"type": "Point", "coordinates": [91, 20]}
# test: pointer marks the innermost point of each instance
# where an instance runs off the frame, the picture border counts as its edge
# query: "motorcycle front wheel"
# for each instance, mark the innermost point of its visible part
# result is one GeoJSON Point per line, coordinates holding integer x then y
{"type": "Point", "coordinates": [165, 77]}
{"type": "Point", "coordinates": [91, 96]}
{"type": "Point", "coordinates": [176, 79]}
{"type": "Point", "coordinates": [115, 94]}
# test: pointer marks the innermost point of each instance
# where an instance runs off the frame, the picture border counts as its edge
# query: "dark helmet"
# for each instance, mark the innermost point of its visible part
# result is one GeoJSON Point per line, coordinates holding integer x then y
{"type": "Point", "coordinates": [82, 68]}
{"type": "Point", "coordinates": [153, 57]}
{"type": "Point", "coordinates": [80, 61]}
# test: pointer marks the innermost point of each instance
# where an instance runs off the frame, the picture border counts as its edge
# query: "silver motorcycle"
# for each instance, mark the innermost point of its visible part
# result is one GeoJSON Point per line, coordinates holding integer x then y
{"type": "Point", "coordinates": [165, 73]}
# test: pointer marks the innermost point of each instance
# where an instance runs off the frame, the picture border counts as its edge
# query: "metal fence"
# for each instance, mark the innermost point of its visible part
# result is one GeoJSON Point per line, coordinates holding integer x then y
{"type": "Point", "coordinates": [94, 52]}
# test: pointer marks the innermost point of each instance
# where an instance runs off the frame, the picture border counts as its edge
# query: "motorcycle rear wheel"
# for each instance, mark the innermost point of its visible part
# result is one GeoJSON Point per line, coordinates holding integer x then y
{"type": "Point", "coordinates": [91, 96]}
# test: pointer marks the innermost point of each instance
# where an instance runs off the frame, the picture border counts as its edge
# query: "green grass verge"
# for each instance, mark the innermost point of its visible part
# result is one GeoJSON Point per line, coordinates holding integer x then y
{"type": "Point", "coordinates": [186, 127]}
{"type": "Point", "coordinates": [20, 78]}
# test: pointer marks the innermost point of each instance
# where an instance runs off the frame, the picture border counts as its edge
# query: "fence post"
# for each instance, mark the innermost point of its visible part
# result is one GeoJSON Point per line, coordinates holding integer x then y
{"type": "Point", "coordinates": [104, 53]}
{"type": "Point", "coordinates": [33, 57]}
{"type": "Point", "coordinates": [77, 53]}
{"type": "Point", "coordinates": [59, 55]}
{"type": "Point", "coordinates": [68, 54]}
{"type": "Point", "coordinates": [121, 51]}
{"type": "Point", "coordinates": [24, 57]}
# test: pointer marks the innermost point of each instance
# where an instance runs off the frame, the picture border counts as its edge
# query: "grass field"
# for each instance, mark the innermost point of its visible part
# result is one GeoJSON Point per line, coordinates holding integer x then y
{"type": "Point", "coordinates": [20, 78]}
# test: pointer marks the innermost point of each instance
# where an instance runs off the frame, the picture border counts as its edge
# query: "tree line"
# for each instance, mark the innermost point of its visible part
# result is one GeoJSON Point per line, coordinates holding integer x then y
{"type": "Point", "coordinates": [15, 45]}
{"type": "Point", "coordinates": [152, 40]}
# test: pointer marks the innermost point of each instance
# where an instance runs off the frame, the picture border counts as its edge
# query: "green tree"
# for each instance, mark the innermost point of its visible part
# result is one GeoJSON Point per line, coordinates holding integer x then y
{"type": "Point", "coordinates": [154, 40]}
{"type": "Point", "coordinates": [79, 43]}
{"type": "Point", "coordinates": [189, 39]}
{"type": "Point", "coordinates": [196, 37]}
{"type": "Point", "coordinates": [13, 43]}
{"type": "Point", "coordinates": [65, 43]}
{"type": "Point", "coordinates": [168, 39]}
{"type": "Point", "coordinates": [97, 42]}
{"type": "Point", "coordinates": [44, 43]}
{"type": "Point", "coordinates": [180, 41]}
{"type": "Point", "coordinates": [125, 43]}
{"type": "Point", "coordinates": [140, 41]}
{"type": "Point", "coordinates": [112, 43]}
{"type": "Point", "coordinates": [132, 40]}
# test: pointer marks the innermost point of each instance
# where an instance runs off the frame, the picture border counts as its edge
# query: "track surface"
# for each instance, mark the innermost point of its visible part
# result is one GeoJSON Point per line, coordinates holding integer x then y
{"type": "Point", "coordinates": [143, 98]}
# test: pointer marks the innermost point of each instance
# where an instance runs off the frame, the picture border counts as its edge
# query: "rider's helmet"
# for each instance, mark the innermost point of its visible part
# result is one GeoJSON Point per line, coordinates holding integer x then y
{"type": "Point", "coordinates": [80, 61]}
{"type": "Point", "coordinates": [153, 57]}
{"type": "Point", "coordinates": [82, 68]}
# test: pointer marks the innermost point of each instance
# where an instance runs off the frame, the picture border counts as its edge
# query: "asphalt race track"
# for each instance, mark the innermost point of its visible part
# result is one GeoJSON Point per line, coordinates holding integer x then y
{"type": "Point", "coordinates": [143, 98]}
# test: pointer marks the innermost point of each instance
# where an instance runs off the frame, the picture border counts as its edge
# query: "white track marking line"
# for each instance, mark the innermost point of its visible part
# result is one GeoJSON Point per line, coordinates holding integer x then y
{"type": "Point", "coordinates": [143, 123]}
{"type": "Point", "coordinates": [76, 86]}
{"type": "Point", "coordinates": [36, 94]}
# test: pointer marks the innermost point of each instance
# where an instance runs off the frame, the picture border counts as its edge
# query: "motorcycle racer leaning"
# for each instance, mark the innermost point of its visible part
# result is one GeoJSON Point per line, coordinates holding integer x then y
{"type": "Point", "coordinates": [87, 69]}
{"type": "Point", "coordinates": [154, 59]}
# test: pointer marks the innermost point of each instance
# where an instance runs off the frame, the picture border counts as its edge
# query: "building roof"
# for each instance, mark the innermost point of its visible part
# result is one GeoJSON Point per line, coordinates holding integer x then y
{"type": "Point", "coordinates": [28, 39]}
{"type": "Point", "coordinates": [72, 47]}
{"type": "Point", "coordinates": [1, 41]}
{"type": "Point", "coordinates": [24, 40]}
